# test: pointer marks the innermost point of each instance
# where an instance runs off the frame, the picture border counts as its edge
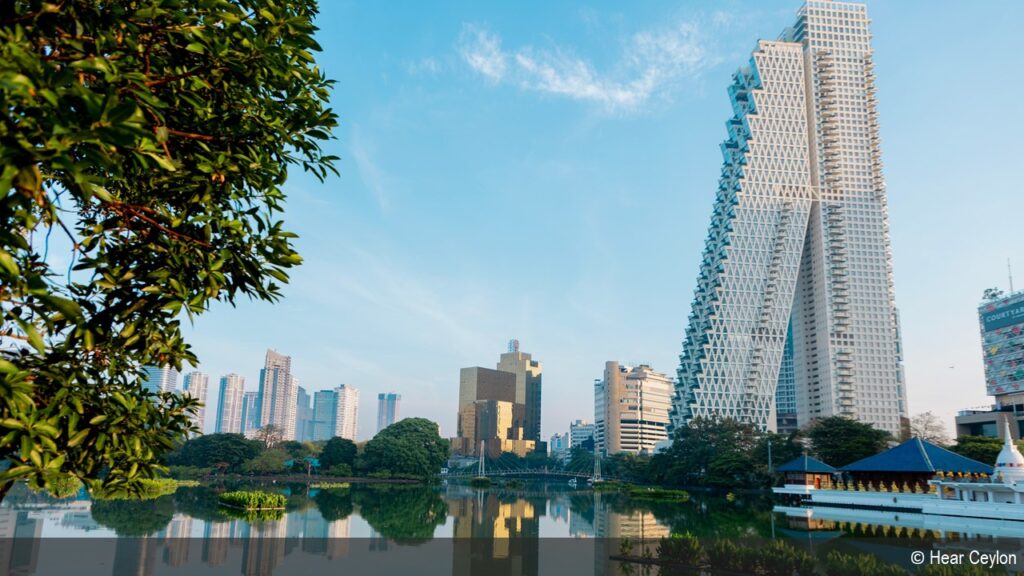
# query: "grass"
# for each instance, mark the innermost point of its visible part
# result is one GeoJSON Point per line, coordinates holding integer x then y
{"type": "Point", "coordinates": [329, 485]}
{"type": "Point", "coordinates": [649, 493]}
{"type": "Point", "coordinates": [253, 500]}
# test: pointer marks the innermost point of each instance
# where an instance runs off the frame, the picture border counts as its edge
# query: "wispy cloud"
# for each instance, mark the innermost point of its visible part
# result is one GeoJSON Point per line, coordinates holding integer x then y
{"type": "Point", "coordinates": [651, 62]}
{"type": "Point", "coordinates": [375, 178]}
{"type": "Point", "coordinates": [423, 67]}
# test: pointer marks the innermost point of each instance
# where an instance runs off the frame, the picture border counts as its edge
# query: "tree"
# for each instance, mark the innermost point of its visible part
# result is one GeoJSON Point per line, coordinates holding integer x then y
{"type": "Point", "coordinates": [981, 448]}
{"type": "Point", "coordinates": [269, 435]}
{"type": "Point", "coordinates": [268, 462]}
{"type": "Point", "coordinates": [338, 451]}
{"type": "Point", "coordinates": [839, 441]}
{"type": "Point", "coordinates": [785, 447]}
{"type": "Point", "coordinates": [223, 451]}
{"type": "Point", "coordinates": [927, 426]}
{"type": "Point", "coordinates": [710, 451]}
{"type": "Point", "coordinates": [409, 447]}
{"type": "Point", "coordinates": [145, 143]}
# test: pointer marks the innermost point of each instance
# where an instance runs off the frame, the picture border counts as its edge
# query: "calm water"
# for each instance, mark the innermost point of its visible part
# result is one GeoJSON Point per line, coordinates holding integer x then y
{"type": "Point", "coordinates": [542, 528]}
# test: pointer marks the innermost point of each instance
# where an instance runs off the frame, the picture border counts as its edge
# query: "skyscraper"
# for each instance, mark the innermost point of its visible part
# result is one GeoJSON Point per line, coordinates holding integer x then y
{"type": "Point", "coordinates": [799, 233]}
{"type": "Point", "coordinates": [278, 394]}
{"type": "Point", "coordinates": [250, 412]}
{"type": "Point", "coordinates": [303, 416]}
{"type": "Point", "coordinates": [631, 406]}
{"type": "Point", "coordinates": [581, 431]}
{"type": "Point", "coordinates": [528, 386]}
{"type": "Point", "coordinates": [160, 379]}
{"type": "Point", "coordinates": [490, 414]}
{"type": "Point", "coordinates": [346, 412]}
{"type": "Point", "coordinates": [387, 409]}
{"type": "Point", "coordinates": [229, 404]}
{"type": "Point", "coordinates": [324, 407]}
{"type": "Point", "coordinates": [195, 386]}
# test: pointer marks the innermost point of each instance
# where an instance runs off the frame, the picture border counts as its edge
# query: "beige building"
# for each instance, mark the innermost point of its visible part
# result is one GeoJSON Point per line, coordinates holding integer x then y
{"type": "Point", "coordinates": [528, 373]}
{"type": "Point", "coordinates": [489, 413]}
{"type": "Point", "coordinates": [631, 409]}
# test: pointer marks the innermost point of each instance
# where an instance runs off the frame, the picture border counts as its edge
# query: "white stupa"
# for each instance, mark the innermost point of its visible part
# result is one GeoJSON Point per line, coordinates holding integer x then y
{"type": "Point", "coordinates": [1010, 463]}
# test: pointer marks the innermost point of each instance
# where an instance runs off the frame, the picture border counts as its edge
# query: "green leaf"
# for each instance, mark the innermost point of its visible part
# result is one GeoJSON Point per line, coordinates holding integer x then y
{"type": "Point", "coordinates": [8, 265]}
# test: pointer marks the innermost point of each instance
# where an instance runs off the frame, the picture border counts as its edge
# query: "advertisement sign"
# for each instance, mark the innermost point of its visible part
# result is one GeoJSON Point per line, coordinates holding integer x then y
{"type": "Point", "coordinates": [994, 316]}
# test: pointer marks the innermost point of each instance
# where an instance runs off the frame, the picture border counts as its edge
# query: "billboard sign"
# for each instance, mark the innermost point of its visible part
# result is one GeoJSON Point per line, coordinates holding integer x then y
{"type": "Point", "coordinates": [994, 317]}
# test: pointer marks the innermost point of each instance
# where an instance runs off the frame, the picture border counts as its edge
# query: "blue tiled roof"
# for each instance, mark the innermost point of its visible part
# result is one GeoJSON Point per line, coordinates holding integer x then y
{"type": "Point", "coordinates": [806, 464]}
{"type": "Point", "coordinates": [916, 455]}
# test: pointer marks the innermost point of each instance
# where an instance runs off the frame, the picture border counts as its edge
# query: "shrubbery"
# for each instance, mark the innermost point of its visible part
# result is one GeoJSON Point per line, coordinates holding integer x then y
{"type": "Point", "coordinates": [253, 500]}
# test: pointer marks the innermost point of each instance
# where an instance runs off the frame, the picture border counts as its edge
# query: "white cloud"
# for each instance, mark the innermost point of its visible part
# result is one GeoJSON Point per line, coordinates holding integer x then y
{"type": "Point", "coordinates": [423, 67]}
{"type": "Point", "coordinates": [482, 51]}
{"type": "Point", "coordinates": [651, 63]}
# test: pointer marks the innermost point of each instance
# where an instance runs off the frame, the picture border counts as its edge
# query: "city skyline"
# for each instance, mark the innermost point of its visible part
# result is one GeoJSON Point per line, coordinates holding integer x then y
{"type": "Point", "coordinates": [522, 244]}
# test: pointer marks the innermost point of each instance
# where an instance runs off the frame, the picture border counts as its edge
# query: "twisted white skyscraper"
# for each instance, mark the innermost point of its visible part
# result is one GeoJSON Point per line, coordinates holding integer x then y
{"type": "Point", "coordinates": [799, 235]}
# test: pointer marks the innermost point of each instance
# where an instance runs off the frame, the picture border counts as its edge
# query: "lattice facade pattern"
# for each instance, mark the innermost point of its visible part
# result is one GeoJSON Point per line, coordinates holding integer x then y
{"type": "Point", "coordinates": [799, 233]}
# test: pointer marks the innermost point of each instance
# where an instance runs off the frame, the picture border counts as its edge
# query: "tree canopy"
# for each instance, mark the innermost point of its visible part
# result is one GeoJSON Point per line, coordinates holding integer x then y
{"type": "Point", "coordinates": [225, 451]}
{"type": "Point", "coordinates": [710, 451]}
{"type": "Point", "coordinates": [981, 448]}
{"type": "Point", "coordinates": [409, 447]}
{"type": "Point", "coordinates": [143, 147]}
{"type": "Point", "coordinates": [839, 441]}
{"type": "Point", "coordinates": [338, 451]}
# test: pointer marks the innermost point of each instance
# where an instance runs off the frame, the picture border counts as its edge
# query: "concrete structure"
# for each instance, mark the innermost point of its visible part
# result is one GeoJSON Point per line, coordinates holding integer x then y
{"type": "Point", "coordinates": [303, 416]}
{"type": "Point", "coordinates": [250, 413]}
{"type": "Point", "coordinates": [278, 394]}
{"type": "Point", "coordinates": [196, 386]}
{"type": "Point", "coordinates": [799, 237]}
{"type": "Point", "coordinates": [580, 432]}
{"type": "Point", "coordinates": [558, 447]}
{"type": "Point", "coordinates": [1001, 319]}
{"type": "Point", "coordinates": [160, 379]}
{"type": "Point", "coordinates": [324, 407]}
{"type": "Point", "coordinates": [489, 413]}
{"type": "Point", "coordinates": [229, 404]}
{"type": "Point", "coordinates": [631, 409]}
{"type": "Point", "coordinates": [388, 409]}
{"type": "Point", "coordinates": [528, 374]}
{"type": "Point", "coordinates": [346, 412]}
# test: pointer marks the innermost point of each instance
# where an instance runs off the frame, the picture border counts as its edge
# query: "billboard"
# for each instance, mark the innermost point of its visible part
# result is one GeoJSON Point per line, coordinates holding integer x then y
{"type": "Point", "coordinates": [1002, 326]}
{"type": "Point", "coordinates": [995, 316]}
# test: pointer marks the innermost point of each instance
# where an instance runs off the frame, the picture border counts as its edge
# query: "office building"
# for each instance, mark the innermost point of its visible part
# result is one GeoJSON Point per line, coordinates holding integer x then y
{"type": "Point", "coordinates": [558, 446]}
{"type": "Point", "coordinates": [160, 379]}
{"type": "Point", "coordinates": [387, 409]}
{"type": "Point", "coordinates": [195, 386]}
{"type": "Point", "coordinates": [799, 237]}
{"type": "Point", "coordinates": [250, 413]}
{"type": "Point", "coordinates": [489, 414]}
{"type": "Point", "coordinates": [581, 435]}
{"type": "Point", "coordinates": [229, 404]}
{"type": "Point", "coordinates": [303, 415]}
{"type": "Point", "coordinates": [631, 409]}
{"type": "Point", "coordinates": [278, 394]}
{"type": "Point", "coordinates": [528, 373]}
{"type": "Point", "coordinates": [1001, 319]}
{"type": "Point", "coordinates": [324, 408]}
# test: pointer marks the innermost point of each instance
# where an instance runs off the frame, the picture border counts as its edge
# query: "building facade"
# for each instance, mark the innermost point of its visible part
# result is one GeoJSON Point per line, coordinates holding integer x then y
{"type": "Point", "coordinates": [489, 414]}
{"type": "Point", "coordinates": [580, 432]}
{"type": "Point", "coordinates": [346, 412]}
{"type": "Point", "coordinates": [250, 413]}
{"type": "Point", "coordinates": [799, 235]}
{"type": "Point", "coordinates": [229, 404]}
{"type": "Point", "coordinates": [324, 407]}
{"type": "Point", "coordinates": [529, 375]}
{"type": "Point", "coordinates": [1001, 320]}
{"type": "Point", "coordinates": [196, 385]}
{"type": "Point", "coordinates": [631, 409]}
{"type": "Point", "coordinates": [303, 415]}
{"type": "Point", "coordinates": [278, 394]}
{"type": "Point", "coordinates": [558, 446]}
{"type": "Point", "coordinates": [387, 409]}
{"type": "Point", "coordinates": [160, 379]}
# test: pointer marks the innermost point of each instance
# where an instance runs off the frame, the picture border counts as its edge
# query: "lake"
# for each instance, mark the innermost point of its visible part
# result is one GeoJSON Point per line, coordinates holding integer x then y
{"type": "Point", "coordinates": [533, 528]}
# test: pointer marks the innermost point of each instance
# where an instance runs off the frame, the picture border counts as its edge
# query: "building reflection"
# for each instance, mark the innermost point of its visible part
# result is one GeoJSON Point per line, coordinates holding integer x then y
{"type": "Point", "coordinates": [495, 534]}
{"type": "Point", "coordinates": [19, 542]}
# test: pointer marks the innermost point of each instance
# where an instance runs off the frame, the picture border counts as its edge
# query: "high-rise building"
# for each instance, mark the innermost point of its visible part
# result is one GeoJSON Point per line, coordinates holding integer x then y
{"type": "Point", "coordinates": [278, 394]}
{"type": "Point", "coordinates": [195, 386]}
{"type": "Point", "coordinates": [160, 379]}
{"type": "Point", "coordinates": [631, 407]}
{"type": "Point", "coordinates": [799, 234]}
{"type": "Point", "coordinates": [528, 374]}
{"type": "Point", "coordinates": [250, 412]}
{"type": "Point", "coordinates": [229, 404]}
{"type": "Point", "coordinates": [303, 416]}
{"type": "Point", "coordinates": [387, 409]}
{"type": "Point", "coordinates": [1001, 318]}
{"type": "Point", "coordinates": [558, 446]}
{"type": "Point", "coordinates": [325, 404]}
{"type": "Point", "coordinates": [346, 412]}
{"type": "Point", "coordinates": [489, 414]}
{"type": "Point", "coordinates": [580, 432]}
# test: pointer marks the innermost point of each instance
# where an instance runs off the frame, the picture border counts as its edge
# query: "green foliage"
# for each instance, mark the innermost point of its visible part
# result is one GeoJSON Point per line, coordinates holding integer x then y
{"type": "Point", "coordinates": [338, 451]}
{"type": "Point", "coordinates": [839, 441]}
{"type": "Point", "coordinates": [409, 447]}
{"type": "Point", "coordinates": [480, 482]}
{"type": "Point", "coordinates": [681, 549]}
{"type": "Point", "coordinates": [253, 500]}
{"type": "Point", "coordinates": [148, 489]}
{"type": "Point", "coordinates": [710, 451]}
{"type": "Point", "coordinates": [225, 452]}
{"type": "Point", "coordinates": [334, 504]}
{"type": "Point", "coordinates": [401, 512]}
{"type": "Point", "coordinates": [840, 564]}
{"type": "Point", "coordinates": [980, 448]}
{"type": "Point", "coordinates": [960, 570]}
{"type": "Point", "coordinates": [650, 493]}
{"type": "Point", "coordinates": [153, 137]}
{"type": "Point", "coordinates": [189, 472]}
{"type": "Point", "coordinates": [778, 558]}
{"type": "Point", "coordinates": [330, 485]}
{"type": "Point", "coordinates": [268, 462]}
{"type": "Point", "coordinates": [134, 517]}
{"type": "Point", "coordinates": [342, 470]}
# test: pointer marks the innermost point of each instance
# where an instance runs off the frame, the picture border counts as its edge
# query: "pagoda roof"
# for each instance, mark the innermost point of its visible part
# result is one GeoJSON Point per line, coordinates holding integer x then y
{"type": "Point", "coordinates": [916, 455]}
{"type": "Point", "coordinates": [806, 464]}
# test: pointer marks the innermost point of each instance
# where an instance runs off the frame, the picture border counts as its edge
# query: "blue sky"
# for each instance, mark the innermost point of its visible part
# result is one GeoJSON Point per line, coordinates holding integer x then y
{"type": "Point", "coordinates": [545, 171]}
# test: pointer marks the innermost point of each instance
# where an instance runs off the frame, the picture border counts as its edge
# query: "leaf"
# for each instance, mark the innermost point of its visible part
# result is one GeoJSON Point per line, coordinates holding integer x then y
{"type": "Point", "coordinates": [97, 419]}
{"type": "Point", "coordinates": [78, 438]}
{"type": "Point", "coordinates": [8, 264]}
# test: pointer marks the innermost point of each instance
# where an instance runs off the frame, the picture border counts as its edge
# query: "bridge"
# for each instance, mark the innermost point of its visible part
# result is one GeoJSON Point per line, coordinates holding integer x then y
{"type": "Point", "coordinates": [505, 468]}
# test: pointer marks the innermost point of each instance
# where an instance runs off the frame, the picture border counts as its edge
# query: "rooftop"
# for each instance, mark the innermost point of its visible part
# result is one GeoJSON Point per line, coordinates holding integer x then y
{"type": "Point", "coordinates": [916, 455]}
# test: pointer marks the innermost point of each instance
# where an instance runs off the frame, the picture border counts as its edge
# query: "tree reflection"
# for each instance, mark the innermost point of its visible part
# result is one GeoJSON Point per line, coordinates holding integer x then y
{"type": "Point", "coordinates": [134, 517]}
{"type": "Point", "coordinates": [410, 513]}
{"type": "Point", "coordinates": [334, 504]}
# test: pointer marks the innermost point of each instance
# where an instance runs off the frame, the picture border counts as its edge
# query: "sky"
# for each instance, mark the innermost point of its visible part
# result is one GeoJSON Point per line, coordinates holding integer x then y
{"type": "Point", "coordinates": [546, 171]}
